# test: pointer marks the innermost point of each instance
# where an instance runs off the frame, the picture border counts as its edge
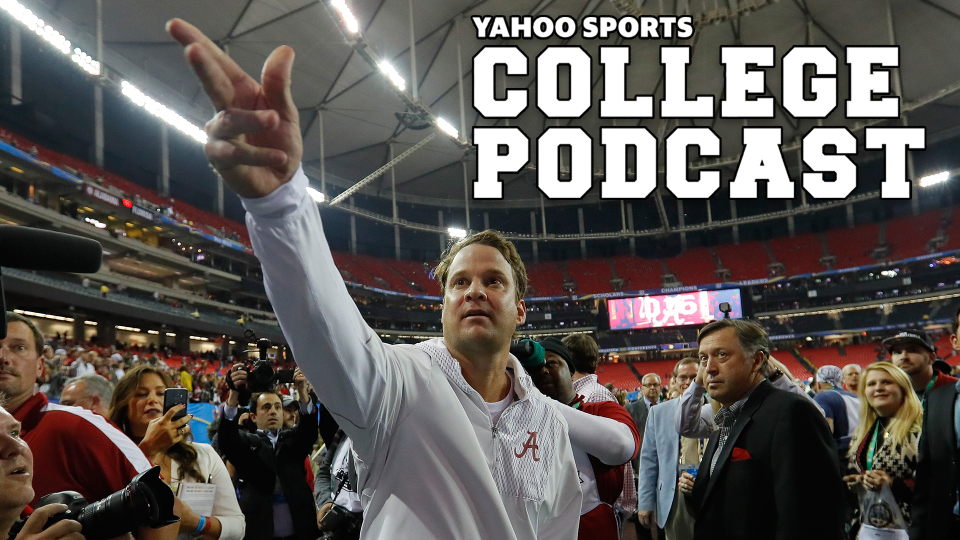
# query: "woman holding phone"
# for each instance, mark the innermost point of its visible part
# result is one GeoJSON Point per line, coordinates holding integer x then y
{"type": "Point", "coordinates": [137, 408]}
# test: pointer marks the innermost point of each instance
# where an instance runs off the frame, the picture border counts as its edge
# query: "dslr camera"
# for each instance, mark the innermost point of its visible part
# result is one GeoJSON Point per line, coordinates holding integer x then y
{"type": "Point", "coordinates": [260, 375]}
{"type": "Point", "coordinates": [145, 501]}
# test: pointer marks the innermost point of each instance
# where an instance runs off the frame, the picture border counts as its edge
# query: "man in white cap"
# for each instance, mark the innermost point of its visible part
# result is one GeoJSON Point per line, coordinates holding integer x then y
{"type": "Point", "coordinates": [914, 352]}
{"type": "Point", "coordinates": [840, 407]}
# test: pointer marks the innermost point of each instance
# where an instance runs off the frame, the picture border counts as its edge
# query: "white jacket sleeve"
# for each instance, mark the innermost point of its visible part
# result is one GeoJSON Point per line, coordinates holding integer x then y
{"type": "Point", "coordinates": [603, 438]}
{"type": "Point", "coordinates": [694, 419]}
{"type": "Point", "coordinates": [559, 515]}
{"type": "Point", "coordinates": [353, 372]}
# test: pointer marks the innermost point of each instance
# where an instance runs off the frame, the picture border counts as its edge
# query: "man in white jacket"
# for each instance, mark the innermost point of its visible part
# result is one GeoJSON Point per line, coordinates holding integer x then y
{"type": "Point", "coordinates": [451, 438]}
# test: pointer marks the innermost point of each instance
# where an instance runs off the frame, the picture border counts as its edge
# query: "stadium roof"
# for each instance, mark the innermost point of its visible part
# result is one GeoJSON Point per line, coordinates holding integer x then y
{"type": "Point", "coordinates": [359, 104]}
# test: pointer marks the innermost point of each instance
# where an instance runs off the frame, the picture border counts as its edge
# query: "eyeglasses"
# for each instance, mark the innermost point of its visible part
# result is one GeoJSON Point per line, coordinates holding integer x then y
{"type": "Point", "coordinates": [651, 385]}
{"type": "Point", "coordinates": [685, 378]}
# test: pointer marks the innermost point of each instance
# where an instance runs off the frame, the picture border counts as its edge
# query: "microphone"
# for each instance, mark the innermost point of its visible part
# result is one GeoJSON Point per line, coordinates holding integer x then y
{"type": "Point", "coordinates": [47, 251]}
{"type": "Point", "coordinates": [38, 249]}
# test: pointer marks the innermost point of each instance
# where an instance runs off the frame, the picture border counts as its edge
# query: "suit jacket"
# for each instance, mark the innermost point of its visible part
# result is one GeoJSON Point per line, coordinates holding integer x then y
{"type": "Point", "coordinates": [937, 476]}
{"type": "Point", "coordinates": [259, 464]}
{"type": "Point", "coordinates": [638, 410]}
{"type": "Point", "coordinates": [659, 459]}
{"type": "Point", "coordinates": [786, 471]}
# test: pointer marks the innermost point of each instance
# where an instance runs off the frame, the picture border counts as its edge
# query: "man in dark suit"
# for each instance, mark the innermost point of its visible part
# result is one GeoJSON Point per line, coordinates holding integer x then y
{"type": "Point", "coordinates": [935, 507]}
{"type": "Point", "coordinates": [771, 464]}
{"type": "Point", "coordinates": [270, 478]}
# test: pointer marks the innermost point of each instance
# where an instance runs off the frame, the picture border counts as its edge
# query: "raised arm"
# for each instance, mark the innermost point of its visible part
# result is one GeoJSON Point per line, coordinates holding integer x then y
{"type": "Point", "coordinates": [612, 441]}
{"type": "Point", "coordinates": [694, 419]}
{"type": "Point", "coordinates": [255, 144]}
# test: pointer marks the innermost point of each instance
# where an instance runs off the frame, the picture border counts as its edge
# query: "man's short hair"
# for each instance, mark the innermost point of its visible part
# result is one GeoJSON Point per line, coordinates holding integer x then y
{"type": "Point", "coordinates": [752, 336]}
{"type": "Point", "coordinates": [94, 385]}
{"type": "Point", "coordinates": [586, 353]}
{"type": "Point", "coordinates": [37, 336]}
{"type": "Point", "coordinates": [659, 379]}
{"type": "Point", "coordinates": [684, 361]}
{"type": "Point", "coordinates": [495, 240]}
{"type": "Point", "coordinates": [255, 399]}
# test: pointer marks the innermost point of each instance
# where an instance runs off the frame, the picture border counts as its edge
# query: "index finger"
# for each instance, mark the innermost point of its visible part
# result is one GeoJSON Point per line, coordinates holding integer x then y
{"type": "Point", "coordinates": [39, 517]}
{"type": "Point", "coordinates": [188, 34]}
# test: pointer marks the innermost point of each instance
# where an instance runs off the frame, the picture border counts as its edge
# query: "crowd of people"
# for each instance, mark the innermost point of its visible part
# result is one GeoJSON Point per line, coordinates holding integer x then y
{"type": "Point", "coordinates": [458, 437]}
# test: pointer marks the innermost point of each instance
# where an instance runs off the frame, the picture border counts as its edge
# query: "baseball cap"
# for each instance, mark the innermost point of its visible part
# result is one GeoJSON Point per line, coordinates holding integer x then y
{"type": "Point", "coordinates": [831, 375]}
{"type": "Point", "coordinates": [288, 401]}
{"type": "Point", "coordinates": [916, 337]}
{"type": "Point", "coordinates": [557, 347]}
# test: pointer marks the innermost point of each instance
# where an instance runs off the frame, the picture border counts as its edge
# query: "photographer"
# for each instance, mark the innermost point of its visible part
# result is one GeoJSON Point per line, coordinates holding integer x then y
{"type": "Point", "coordinates": [336, 486]}
{"type": "Point", "coordinates": [270, 476]}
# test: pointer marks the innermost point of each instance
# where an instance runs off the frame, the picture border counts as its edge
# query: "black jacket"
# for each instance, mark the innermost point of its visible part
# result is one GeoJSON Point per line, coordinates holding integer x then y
{"type": "Point", "coordinates": [935, 490]}
{"type": "Point", "coordinates": [259, 464]}
{"type": "Point", "coordinates": [785, 482]}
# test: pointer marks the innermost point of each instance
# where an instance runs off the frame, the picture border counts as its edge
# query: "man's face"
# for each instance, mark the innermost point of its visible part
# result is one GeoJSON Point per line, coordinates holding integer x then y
{"type": "Point", "coordinates": [291, 415]}
{"type": "Point", "coordinates": [16, 465]}
{"type": "Point", "coordinates": [269, 415]}
{"type": "Point", "coordinates": [729, 373]}
{"type": "Point", "coordinates": [851, 377]}
{"type": "Point", "coordinates": [912, 358]}
{"type": "Point", "coordinates": [651, 387]}
{"type": "Point", "coordinates": [20, 363]}
{"type": "Point", "coordinates": [480, 310]}
{"type": "Point", "coordinates": [73, 395]}
{"type": "Point", "coordinates": [553, 378]}
{"type": "Point", "coordinates": [685, 375]}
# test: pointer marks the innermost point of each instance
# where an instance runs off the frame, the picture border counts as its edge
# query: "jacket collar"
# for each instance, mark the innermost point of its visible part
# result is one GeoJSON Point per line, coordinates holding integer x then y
{"type": "Point", "coordinates": [743, 418]}
{"type": "Point", "coordinates": [522, 384]}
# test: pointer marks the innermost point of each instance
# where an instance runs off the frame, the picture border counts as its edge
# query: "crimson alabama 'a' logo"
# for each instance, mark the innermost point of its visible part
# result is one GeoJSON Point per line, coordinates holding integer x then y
{"type": "Point", "coordinates": [531, 444]}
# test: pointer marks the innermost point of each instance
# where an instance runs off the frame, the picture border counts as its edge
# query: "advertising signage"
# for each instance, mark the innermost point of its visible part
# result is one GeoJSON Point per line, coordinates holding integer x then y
{"type": "Point", "coordinates": [698, 307]}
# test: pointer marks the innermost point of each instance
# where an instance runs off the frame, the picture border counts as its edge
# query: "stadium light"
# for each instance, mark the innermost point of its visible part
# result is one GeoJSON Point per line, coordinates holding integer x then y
{"type": "Point", "coordinates": [932, 179]}
{"type": "Point", "coordinates": [90, 323]}
{"type": "Point", "coordinates": [316, 195]}
{"type": "Point", "coordinates": [456, 233]}
{"type": "Point", "coordinates": [127, 328]}
{"type": "Point", "coordinates": [395, 77]}
{"type": "Point", "coordinates": [42, 315]}
{"type": "Point", "coordinates": [348, 19]}
{"type": "Point", "coordinates": [161, 111]}
{"type": "Point", "coordinates": [448, 128]}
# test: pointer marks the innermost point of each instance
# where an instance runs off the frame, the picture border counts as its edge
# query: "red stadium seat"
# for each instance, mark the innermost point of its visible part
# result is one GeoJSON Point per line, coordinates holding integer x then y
{"type": "Point", "coordinates": [546, 279]}
{"type": "Point", "coordinates": [694, 267]}
{"type": "Point", "coordinates": [591, 275]}
{"type": "Point", "coordinates": [639, 274]}
{"type": "Point", "coordinates": [619, 374]}
{"type": "Point", "coordinates": [907, 236]}
{"type": "Point", "coordinates": [800, 254]}
{"type": "Point", "coordinates": [852, 247]}
{"type": "Point", "coordinates": [745, 261]}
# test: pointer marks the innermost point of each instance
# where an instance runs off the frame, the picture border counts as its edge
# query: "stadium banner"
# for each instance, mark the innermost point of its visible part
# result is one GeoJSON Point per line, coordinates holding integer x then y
{"type": "Point", "coordinates": [697, 307]}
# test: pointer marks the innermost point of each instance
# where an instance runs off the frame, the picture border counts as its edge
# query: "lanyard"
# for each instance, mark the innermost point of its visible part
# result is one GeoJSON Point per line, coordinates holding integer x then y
{"type": "Point", "coordinates": [872, 449]}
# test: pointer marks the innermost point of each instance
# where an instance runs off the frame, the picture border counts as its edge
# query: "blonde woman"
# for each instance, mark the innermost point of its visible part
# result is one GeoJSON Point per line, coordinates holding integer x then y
{"type": "Point", "coordinates": [884, 446]}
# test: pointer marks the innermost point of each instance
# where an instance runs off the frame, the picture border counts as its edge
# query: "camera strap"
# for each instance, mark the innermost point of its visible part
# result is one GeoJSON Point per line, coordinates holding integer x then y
{"type": "Point", "coordinates": [342, 480]}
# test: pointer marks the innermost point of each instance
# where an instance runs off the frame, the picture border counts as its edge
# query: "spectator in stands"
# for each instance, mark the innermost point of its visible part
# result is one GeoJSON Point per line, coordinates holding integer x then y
{"type": "Point", "coordinates": [652, 386]}
{"type": "Point", "coordinates": [914, 352]}
{"type": "Point", "coordinates": [660, 505]}
{"type": "Point", "coordinates": [851, 378]}
{"type": "Point", "coordinates": [83, 365]}
{"type": "Point", "coordinates": [418, 400]}
{"type": "Point", "coordinates": [16, 490]}
{"type": "Point", "coordinates": [104, 290]}
{"type": "Point", "coordinates": [840, 408]}
{"type": "Point", "coordinates": [603, 440]}
{"type": "Point", "coordinates": [91, 391]}
{"type": "Point", "coordinates": [137, 407]}
{"type": "Point", "coordinates": [270, 475]}
{"type": "Point", "coordinates": [884, 449]}
{"type": "Point", "coordinates": [794, 469]}
{"type": "Point", "coordinates": [101, 459]}
{"type": "Point", "coordinates": [936, 508]}
{"type": "Point", "coordinates": [586, 356]}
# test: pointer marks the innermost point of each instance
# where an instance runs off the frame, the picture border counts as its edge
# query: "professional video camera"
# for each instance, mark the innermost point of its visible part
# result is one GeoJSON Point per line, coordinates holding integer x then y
{"type": "Point", "coordinates": [145, 501]}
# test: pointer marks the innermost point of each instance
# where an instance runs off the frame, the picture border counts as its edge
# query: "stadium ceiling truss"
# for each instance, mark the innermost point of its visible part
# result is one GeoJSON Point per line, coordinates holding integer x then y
{"type": "Point", "coordinates": [355, 115]}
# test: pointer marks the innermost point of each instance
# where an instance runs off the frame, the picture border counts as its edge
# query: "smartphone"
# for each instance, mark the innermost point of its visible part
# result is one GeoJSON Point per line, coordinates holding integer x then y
{"type": "Point", "coordinates": [173, 397]}
{"type": "Point", "coordinates": [284, 376]}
